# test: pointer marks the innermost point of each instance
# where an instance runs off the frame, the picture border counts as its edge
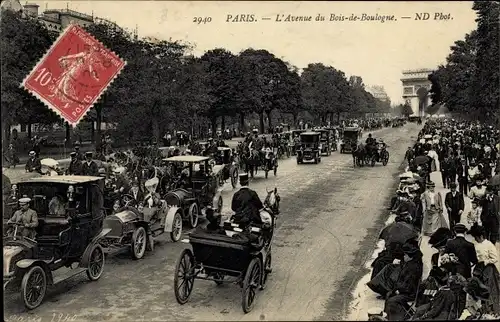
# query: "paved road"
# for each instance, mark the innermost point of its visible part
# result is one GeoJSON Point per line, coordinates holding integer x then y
{"type": "Point", "coordinates": [329, 214]}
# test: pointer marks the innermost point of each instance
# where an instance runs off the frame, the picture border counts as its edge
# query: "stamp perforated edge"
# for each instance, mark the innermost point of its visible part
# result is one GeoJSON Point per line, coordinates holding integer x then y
{"type": "Point", "coordinates": [49, 51]}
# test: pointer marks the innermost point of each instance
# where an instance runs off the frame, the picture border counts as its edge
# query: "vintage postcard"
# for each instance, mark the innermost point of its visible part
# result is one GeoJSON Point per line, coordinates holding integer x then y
{"type": "Point", "coordinates": [250, 160]}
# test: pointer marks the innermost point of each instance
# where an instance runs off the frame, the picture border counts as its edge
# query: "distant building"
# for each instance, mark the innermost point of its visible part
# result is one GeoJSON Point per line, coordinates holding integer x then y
{"type": "Point", "coordinates": [378, 92]}
{"type": "Point", "coordinates": [413, 81]}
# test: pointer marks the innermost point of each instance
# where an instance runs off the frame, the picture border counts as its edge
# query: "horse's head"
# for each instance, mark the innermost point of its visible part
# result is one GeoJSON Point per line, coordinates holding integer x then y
{"type": "Point", "coordinates": [272, 200]}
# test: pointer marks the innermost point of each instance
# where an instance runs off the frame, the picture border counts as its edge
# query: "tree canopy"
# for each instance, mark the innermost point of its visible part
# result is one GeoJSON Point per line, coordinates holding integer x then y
{"type": "Point", "coordinates": [469, 81]}
{"type": "Point", "coordinates": [164, 87]}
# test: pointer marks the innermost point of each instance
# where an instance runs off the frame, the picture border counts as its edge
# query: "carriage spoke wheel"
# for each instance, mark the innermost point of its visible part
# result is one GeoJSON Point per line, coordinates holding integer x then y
{"type": "Point", "coordinates": [34, 287]}
{"type": "Point", "coordinates": [193, 215]}
{"type": "Point", "coordinates": [96, 263]}
{"type": "Point", "coordinates": [253, 278]}
{"type": "Point", "coordinates": [267, 271]}
{"type": "Point", "coordinates": [139, 240]}
{"type": "Point", "coordinates": [184, 276]}
{"type": "Point", "coordinates": [176, 233]}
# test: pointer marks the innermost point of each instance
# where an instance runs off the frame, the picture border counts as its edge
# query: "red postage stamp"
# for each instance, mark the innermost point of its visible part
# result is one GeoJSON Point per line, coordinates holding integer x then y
{"type": "Point", "coordinates": [73, 74]}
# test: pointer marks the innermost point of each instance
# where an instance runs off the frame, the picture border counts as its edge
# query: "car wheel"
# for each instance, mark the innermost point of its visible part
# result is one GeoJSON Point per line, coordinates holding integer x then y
{"type": "Point", "coordinates": [34, 287]}
{"type": "Point", "coordinates": [96, 263]}
{"type": "Point", "coordinates": [176, 233]}
{"type": "Point", "coordinates": [193, 215]}
{"type": "Point", "coordinates": [139, 240]}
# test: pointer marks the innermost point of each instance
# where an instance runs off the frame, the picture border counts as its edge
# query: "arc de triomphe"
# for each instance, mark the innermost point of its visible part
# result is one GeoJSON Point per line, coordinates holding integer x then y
{"type": "Point", "coordinates": [412, 81]}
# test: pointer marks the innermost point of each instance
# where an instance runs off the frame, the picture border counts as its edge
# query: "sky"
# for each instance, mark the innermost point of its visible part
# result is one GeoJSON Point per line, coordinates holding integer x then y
{"type": "Point", "coordinates": [376, 51]}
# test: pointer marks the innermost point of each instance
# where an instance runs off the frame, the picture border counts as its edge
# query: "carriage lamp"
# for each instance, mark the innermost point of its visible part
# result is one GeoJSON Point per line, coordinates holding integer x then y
{"type": "Point", "coordinates": [14, 192]}
{"type": "Point", "coordinates": [71, 191]}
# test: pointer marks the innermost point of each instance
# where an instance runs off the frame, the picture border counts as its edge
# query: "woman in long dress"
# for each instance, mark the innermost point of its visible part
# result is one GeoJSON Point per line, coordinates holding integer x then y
{"type": "Point", "coordinates": [487, 269]}
{"type": "Point", "coordinates": [432, 203]}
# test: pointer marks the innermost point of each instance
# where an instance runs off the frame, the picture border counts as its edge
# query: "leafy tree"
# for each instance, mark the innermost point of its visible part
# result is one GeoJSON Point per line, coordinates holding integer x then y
{"type": "Point", "coordinates": [486, 79]}
{"type": "Point", "coordinates": [406, 109]}
{"type": "Point", "coordinates": [293, 104]}
{"type": "Point", "coordinates": [23, 42]}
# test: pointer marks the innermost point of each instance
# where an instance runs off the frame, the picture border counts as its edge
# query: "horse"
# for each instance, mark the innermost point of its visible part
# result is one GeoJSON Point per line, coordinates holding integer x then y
{"type": "Point", "coordinates": [359, 155]}
{"type": "Point", "coordinates": [272, 201]}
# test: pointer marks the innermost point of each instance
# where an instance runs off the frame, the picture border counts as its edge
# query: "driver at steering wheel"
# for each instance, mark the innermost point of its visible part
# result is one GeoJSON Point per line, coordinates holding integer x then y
{"type": "Point", "coordinates": [246, 203]}
{"type": "Point", "coordinates": [26, 217]}
{"type": "Point", "coordinates": [136, 191]}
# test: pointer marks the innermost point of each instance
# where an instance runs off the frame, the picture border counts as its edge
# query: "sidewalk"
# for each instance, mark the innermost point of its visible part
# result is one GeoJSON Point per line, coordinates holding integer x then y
{"type": "Point", "coordinates": [364, 298]}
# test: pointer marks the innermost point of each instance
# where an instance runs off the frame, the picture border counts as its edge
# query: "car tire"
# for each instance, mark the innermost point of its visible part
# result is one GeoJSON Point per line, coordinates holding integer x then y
{"type": "Point", "coordinates": [139, 241]}
{"type": "Point", "coordinates": [36, 274]}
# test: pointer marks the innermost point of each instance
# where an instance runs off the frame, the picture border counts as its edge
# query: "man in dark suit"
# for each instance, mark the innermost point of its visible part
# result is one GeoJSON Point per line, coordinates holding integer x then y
{"type": "Point", "coordinates": [454, 203]}
{"type": "Point", "coordinates": [490, 214]}
{"type": "Point", "coordinates": [75, 165]}
{"type": "Point", "coordinates": [463, 175]}
{"type": "Point", "coordinates": [136, 192]}
{"type": "Point", "coordinates": [33, 164]}
{"type": "Point", "coordinates": [246, 202]}
{"type": "Point", "coordinates": [89, 167]}
{"type": "Point", "coordinates": [467, 257]}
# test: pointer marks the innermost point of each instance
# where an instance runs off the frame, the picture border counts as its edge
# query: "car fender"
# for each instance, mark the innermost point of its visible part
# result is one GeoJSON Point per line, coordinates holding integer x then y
{"type": "Point", "coordinates": [86, 254]}
{"type": "Point", "coordinates": [169, 220]}
{"type": "Point", "coordinates": [25, 264]}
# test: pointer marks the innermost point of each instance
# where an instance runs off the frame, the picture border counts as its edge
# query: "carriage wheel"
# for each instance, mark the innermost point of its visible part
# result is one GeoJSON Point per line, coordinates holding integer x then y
{"type": "Point", "coordinates": [176, 233]}
{"type": "Point", "coordinates": [96, 263]}
{"type": "Point", "coordinates": [234, 177]}
{"type": "Point", "coordinates": [184, 276]}
{"type": "Point", "coordinates": [267, 271]}
{"type": "Point", "coordinates": [34, 287]}
{"type": "Point", "coordinates": [252, 281]}
{"type": "Point", "coordinates": [193, 215]}
{"type": "Point", "coordinates": [139, 240]}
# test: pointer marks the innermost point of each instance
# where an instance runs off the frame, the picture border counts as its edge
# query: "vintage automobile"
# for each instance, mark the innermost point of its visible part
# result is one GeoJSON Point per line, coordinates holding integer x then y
{"type": "Point", "coordinates": [333, 137]}
{"type": "Point", "coordinates": [135, 226]}
{"type": "Point", "coordinates": [309, 149]}
{"type": "Point", "coordinates": [293, 143]}
{"type": "Point", "coordinates": [325, 141]}
{"type": "Point", "coordinates": [71, 235]}
{"type": "Point", "coordinates": [221, 258]}
{"type": "Point", "coordinates": [195, 189]}
{"type": "Point", "coordinates": [350, 135]}
{"type": "Point", "coordinates": [225, 166]}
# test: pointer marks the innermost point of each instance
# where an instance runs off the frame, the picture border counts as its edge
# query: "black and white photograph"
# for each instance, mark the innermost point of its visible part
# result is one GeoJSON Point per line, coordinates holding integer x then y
{"type": "Point", "coordinates": [250, 160]}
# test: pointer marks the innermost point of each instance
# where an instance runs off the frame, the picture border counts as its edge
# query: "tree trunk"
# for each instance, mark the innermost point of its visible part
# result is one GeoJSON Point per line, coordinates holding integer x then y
{"type": "Point", "coordinates": [156, 128]}
{"type": "Point", "coordinates": [5, 133]}
{"type": "Point", "coordinates": [338, 117]}
{"type": "Point", "coordinates": [261, 122]}
{"type": "Point", "coordinates": [269, 122]}
{"type": "Point", "coordinates": [98, 125]}
{"type": "Point", "coordinates": [223, 124]}
{"type": "Point", "coordinates": [92, 132]}
{"type": "Point", "coordinates": [213, 122]}
{"type": "Point", "coordinates": [67, 134]}
{"type": "Point", "coordinates": [295, 117]}
{"type": "Point", "coordinates": [242, 122]}
{"type": "Point", "coordinates": [331, 118]}
{"type": "Point", "coordinates": [28, 128]}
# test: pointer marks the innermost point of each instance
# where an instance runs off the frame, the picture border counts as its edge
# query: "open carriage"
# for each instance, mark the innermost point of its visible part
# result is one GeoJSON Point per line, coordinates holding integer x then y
{"type": "Point", "coordinates": [223, 259]}
{"type": "Point", "coordinates": [325, 141]}
{"type": "Point", "coordinates": [70, 236]}
{"type": "Point", "coordinates": [295, 140]}
{"type": "Point", "coordinates": [225, 166]}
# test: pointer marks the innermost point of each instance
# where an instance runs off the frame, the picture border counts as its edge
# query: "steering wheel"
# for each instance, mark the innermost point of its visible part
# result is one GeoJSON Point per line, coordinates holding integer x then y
{"type": "Point", "coordinates": [128, 200]}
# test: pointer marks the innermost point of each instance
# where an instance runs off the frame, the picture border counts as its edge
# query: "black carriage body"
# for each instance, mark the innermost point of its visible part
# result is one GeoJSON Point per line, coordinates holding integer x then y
{"type": "Point", "coordinates": [350, 136]}
{"type": "Point", "coordinates": [309, 146]}
{"type": "Point", "coordinates": [219, 253]}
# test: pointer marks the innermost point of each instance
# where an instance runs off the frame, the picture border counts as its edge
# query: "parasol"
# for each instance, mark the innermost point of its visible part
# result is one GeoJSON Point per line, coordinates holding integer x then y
{"type": "Point", "coordinates": [406, 175]}
{"type": "Point", "coordinates": [398, 232]}
{"type": "Point", "coordinates": [421, 159]}
{"type": "Point", "coordinates": [151, 184]}
{"type": "Point", "coordinates": [49, 162]}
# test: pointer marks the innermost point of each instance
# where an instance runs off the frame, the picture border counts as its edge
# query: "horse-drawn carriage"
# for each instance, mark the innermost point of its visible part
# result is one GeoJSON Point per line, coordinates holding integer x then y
{"type": "Point", "coordinates": [196, 188]}
{"type": "Point", "coordinates": [325, 141]}
{"type": "Point", "coordinates": [225, 166]}
{"type": "Point", "coordinates": [70, 236]}
{"type": "Point", "coordinates": [309, 149]}
{"type": "Point", "coordinates": [136, 225]}
{"type": "Point", "coordinates": [295, 140]}
{"type": "Point", "coordinates": [351, 135]}
{"type": "Point", "coordinates": [254, 159]}
{"type": "Point", "coordinates": [221, 258]}
{"type": "Point", "coordinates": [380, 154]}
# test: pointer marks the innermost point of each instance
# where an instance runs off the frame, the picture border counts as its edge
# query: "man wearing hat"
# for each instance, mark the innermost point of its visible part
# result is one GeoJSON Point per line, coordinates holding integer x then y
{"type": "Point", "coordinates": [79, 154]}
{"type": "Point", "coordinates": [33, 164]}
{"type": "Point", "coordinates": [136, 191]}
{"type": "Point", "coordinates": [26, 217]}
{"type": "Point", "coordinates": [455, 205]}
{"type": "Point", "coordinates": [490, 214]}
{"type": "Point", "coordinates": [246, 202]}
{"type": "Point", "coordinates": [75, 165]}
{"type": "Point", "coordinates": [89, 167]}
